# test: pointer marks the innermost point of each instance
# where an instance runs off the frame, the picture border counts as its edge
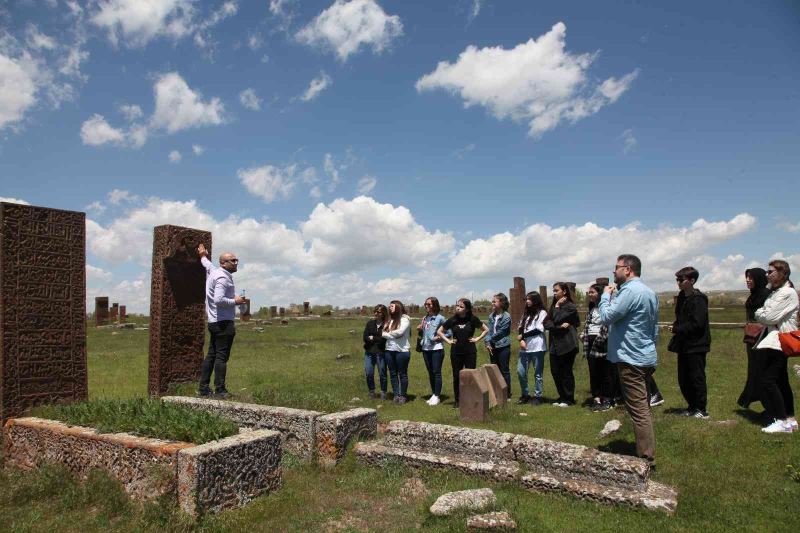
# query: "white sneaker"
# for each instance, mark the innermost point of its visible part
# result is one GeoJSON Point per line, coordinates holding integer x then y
{"type": "Point", "coordinates": [560, 404]}
{"type": "Point", "coordinates": [429, 400]}
{"type": "Point", "coordinates": [779, 426]}
{"type": "Point", "coordinates": [792, 423]}
{"type": "Point", "coordinates": [434, 400]}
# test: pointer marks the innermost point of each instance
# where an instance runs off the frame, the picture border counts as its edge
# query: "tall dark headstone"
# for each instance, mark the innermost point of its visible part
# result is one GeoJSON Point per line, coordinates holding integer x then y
{"type": "Point", "coordinates": [101, 310]}
{"type": "Point", "coordinates": [282, 312]}
{"type": "Point", "coordinates": [113, 313]}
{"type": "Point", "coordinates": [543, 294]}
{"type": "Point", "coordinates": [306, 308]}
{"type": "Point", "coordinates": [601, 281]}
{"type": "Point", "coordinates": [517, 301]}
{"type": "Point", "coordinates": [42, 307]}
{"type": "Point", "coordinates": [573, 288]}
{"type": "Point", "coordinates": [273, 311]}
{"type": "Point", "coordinates": [245, 313]}
{"type": "Point", "coordinates": [123, 315]}
{"type": "Point", "coordinates": [177, 307]}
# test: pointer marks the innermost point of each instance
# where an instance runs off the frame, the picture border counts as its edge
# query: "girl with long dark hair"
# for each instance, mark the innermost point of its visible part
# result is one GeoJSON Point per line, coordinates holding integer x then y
{"type": "Point", "coordinates": [398, 349]}
{"type": "Point", "coordinates": [463, 351]}
{"type": "Point", "coordinates": [595, 348]}
{"type": "Point", "coordinates": [563, 343]}
{"type": "Point", "coordinates": [374, 348]}
{"type": "Point", "coordinates": [756, 280]}
{"type": "Point", "coordinates": [532, 346]}
{"type": "Point", "coordinates": [432, 347]}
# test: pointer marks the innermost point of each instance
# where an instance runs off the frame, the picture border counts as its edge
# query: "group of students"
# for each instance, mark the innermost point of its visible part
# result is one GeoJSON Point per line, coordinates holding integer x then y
{"type": "Point", "coordinates": [772, 302]}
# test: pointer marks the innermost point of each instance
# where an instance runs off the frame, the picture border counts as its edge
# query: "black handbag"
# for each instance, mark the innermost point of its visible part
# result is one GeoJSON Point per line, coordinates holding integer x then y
{"type": "Point", "coordinates": [418, 347]}
{"type": "Point", "coordinates": [753, 333]}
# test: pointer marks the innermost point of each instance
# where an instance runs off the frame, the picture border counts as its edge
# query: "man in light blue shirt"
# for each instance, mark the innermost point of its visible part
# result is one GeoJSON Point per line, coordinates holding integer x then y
{"type": "Point", "coordinates": [631, 315]}
{"type": "Point", "coordinates": [221, 301]}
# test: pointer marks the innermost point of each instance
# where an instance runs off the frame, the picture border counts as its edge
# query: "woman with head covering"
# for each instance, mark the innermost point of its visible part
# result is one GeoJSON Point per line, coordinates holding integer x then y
{"type": "Point", "coordinates": [756, 279]}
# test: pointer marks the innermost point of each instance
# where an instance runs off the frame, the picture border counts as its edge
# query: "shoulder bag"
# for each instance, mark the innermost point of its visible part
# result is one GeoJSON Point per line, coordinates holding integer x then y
{"type": "Point", "coordinates": [753, 333]}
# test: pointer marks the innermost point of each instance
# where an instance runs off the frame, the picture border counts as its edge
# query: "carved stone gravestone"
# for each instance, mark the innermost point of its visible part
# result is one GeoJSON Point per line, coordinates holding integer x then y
{"type": "Point", "coordinates": [42, 307]}
{"type": "Point", "coordinates": [498, 388]}
{"type": "Point", "coordinates": [282, 312]}
{"type": "Point", "coordinates": [245, 314]}
{"type": "Point", "coordinates": [113, 313]}
{"type": "Point", "coordinates": [517, 301]}
{"type": "Point", "coordinates": [101, 311]}
{"type": "Point", "coordinates": [123, 315]}
{"type": "Point", "coordinates": [273, 311]}
{"type": "Point", "coordinates": [473, 401]}
{"type": "Point", "coordinates": [601, 281]}
{"type": "Point", "coordinates": [177, 307]}
{"type": "Point", "coordinates": [543, 294]}
{"type": "Point", "coordinates": [306, 308]}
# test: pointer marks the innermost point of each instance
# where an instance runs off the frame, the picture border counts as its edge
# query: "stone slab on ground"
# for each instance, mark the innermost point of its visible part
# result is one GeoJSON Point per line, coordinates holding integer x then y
{"type": "Point", "coordinates": [612, 426]}
{"type": "Point", "coordinates": [441, 438]}
{"type": "Point", "coordinates": [470, 500]}
{"type": "Point", "coordinates": [335, 431]}
{"type": "Point", "coordinates": [146, 467]}
{"type": "Point", "coordinates": [498, 520]}
{"type": "Point", "coordinates": [229, 472]}
{"type": "Point", "coordinates": [296, 426]}
{"type": "Point", "coordinates": [474, 397]}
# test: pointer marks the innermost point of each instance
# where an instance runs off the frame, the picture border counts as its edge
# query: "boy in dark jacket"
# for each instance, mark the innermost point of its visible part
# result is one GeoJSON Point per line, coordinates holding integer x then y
{"type": "Point", "coordinates": [691, 341]}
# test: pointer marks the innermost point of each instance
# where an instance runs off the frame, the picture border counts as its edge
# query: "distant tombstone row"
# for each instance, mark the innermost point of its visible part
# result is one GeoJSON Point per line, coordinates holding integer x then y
{"type": "Point", "coordinates": [105, 315]}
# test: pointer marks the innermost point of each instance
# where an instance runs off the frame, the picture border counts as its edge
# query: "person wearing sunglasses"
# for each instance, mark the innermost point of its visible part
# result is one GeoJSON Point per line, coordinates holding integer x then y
{"type": "Point", "coordinates": [221, 302]}
{"type": "Point", "coordinates": [779, 315]}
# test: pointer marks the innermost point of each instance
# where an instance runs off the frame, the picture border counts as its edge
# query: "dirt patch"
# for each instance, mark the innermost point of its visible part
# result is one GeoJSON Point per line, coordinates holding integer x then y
{"type": "Point", "coordinates": [414, 489]}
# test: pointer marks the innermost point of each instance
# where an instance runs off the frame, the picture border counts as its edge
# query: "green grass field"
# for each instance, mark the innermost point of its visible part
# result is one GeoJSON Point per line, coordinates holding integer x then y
{"type": "Point", "coordinates": [730, 477]}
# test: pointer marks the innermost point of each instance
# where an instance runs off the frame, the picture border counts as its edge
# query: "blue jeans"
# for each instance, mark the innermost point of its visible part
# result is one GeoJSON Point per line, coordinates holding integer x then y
{"type": "Point", "coordinates": [501, 357]}
{"type": "Point", "coordinates": [433, 362]}
{"type": "Point", "coordinates": [537, 360]}
{"type": "Point", "coordinates": [398, 371]}
{"type": "Point", "coordinates": [371, 360]}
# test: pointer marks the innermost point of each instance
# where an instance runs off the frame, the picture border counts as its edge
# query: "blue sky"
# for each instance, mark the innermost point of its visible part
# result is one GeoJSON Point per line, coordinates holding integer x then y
{"type": "Point", "coordinates": [355, 151]}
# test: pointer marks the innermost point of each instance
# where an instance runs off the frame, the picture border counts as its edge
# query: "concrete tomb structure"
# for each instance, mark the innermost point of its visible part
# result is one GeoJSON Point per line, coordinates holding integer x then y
{"type": "Point", "coordinates": [177, 307]}
{"type": "Point", "coordinates": [538, 465]}
{"type": "Point", "coordinates": [101, 311]}
{"type": "Point", "coordinates": [42, 307]}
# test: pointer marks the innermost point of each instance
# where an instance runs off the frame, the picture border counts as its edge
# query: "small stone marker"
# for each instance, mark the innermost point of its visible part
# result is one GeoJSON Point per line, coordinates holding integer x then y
{"type": "Point", "coordinates": [612, 426]}
{"type": "Point", "coordinates": [473, 403]}
{"type": "Point", "coordinates": [471, 500]}
{"type": "Point", "coordinates": [498, 388]}
{"type": "Point", "coordinates": [497, 520]}
{"type": "Point", "coordinates": [796, 369]}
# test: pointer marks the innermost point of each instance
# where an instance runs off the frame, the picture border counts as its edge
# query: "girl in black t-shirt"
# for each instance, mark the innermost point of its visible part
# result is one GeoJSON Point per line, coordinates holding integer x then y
{"type": "Point", "coordinates": [563, 343]}
{"type": "Point", "coordinates": [463, 351]}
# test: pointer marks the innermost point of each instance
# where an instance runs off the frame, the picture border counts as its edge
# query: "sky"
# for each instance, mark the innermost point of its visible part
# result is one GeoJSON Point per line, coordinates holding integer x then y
{"type": "Point", "coordinates": [358, 151]}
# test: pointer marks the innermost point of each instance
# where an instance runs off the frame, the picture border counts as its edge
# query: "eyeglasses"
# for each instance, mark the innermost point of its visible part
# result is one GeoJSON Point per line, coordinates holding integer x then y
{"type": "Point", "coordinates": [618, 267]}
{"type": "Point", "coordinates": [231, 261]}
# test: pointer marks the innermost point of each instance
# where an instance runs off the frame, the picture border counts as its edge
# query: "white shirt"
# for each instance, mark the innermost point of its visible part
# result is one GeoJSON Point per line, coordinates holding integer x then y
{"type": "Point", "coordinates": [220, 293]}
{"type": "Point", "coordinates": [779, 314]}
{"type": "Point", "coordinates": [594, 322]}
{"type": "Point", "coordinates": [536, 343]}
{"type": "Point", "coordinates": [397, 339]}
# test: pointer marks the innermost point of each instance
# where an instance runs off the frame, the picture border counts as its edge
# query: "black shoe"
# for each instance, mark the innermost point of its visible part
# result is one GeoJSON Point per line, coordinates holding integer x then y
{"type": "Point", "coordinates": [656, 399]}
{"type": "Point", "coordinates": [523, 399]}
{"type": "Point", "coordinates": [203, 393]}
{"type": "Point", "coordinates": [382, 395]}
{"type": "Point", "coordinates": [222, 394]}
{"type": "Point", "coordinates": [600, 407]}
{"type": "Point", "coordinates": [455, 405]}
{"type": "Point", "coordinates": [401, 400]}
{"type": "Point", "coordinates": [372, 395]}
{"type": "Point", "coordinates": [536, 401]}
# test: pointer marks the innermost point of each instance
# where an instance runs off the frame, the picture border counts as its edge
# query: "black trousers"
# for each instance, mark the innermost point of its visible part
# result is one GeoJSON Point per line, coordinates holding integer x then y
{"type": "Point", "coordinates": [501, 358]}
{"type": "Point", "coordinates": [219, 351]}
{"type": "Point", "coordinates": [776, 393]}
{"type": "Point", "coordinates": [652, 386]}
{"type": "Point", "coordinates": [601, 375]}
{"type": "Point", "coordinates": [692, 379]}
{"type": "Point", "coordinates": [752, 387]}
{"type": "Point", "coordinates": [458, 362]}
{"type": "Point", "coordinates": [561, 370]}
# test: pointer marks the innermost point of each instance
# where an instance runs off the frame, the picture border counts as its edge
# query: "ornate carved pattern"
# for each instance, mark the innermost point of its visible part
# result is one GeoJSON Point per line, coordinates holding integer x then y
{"type": "Point", "coordinates": [42, 307]}
{"type": "Point", "coordinates": [177, 307]}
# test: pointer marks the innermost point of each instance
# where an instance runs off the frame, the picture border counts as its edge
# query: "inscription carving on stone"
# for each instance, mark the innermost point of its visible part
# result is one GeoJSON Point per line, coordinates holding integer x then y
{"type": "Point", "coordinates": [101, 311]}
{"type": "Point", "coordinates": [177, 307]}
{"type": "Point", "coordinates": [42, 307]}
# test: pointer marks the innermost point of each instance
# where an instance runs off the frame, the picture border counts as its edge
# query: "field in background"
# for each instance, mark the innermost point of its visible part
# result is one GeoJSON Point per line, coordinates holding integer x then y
{"type": "Point", "coordinates": [729, 476]}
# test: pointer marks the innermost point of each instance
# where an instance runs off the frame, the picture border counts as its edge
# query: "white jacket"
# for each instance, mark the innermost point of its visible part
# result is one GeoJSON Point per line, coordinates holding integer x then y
{"type": "Point", "coordinates": [536, 343]}
{"type": "Point", "coordinates": [779, 314]}
{"type": "Point", "coordinates": [397, 339]}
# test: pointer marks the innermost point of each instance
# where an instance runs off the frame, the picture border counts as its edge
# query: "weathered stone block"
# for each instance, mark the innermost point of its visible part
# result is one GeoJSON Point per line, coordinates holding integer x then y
{"type": "Point", "coordinates": [473, 401]}
{"type": "Point", "coordinates": [471, 500]}
{"type": "Point", "coordinates": [145, 467]}
{"type": "Point", "coordinates": [177, 307]}
{"type": "Point", "coordinates": [101, 310]}
{"type": "Point", "coordinates": [499, 520]}
{"type": "Point", "coordinates": [230, 472]}
{"type": "Point", "coordinates": [296, 426]}
{"type": "Point", "coordinates": [441, 438]}
{"type": "Point", "coordinates": [42, 307]}
{"type": "Point", "coordinates": [336, 430]}
{"type": "Point", "coordinates": [579, 462]}
{"type": "Point", "coordinates": [498, 388]}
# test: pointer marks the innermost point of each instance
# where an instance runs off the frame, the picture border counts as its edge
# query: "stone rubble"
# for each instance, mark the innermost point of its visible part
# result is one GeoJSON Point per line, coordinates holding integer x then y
{"type": "Point", "coordinates": [471, 500]}
{"type": "Point", "coordinates": [612, 426]}
{"type": "Point", "coordinates": [497, 520]}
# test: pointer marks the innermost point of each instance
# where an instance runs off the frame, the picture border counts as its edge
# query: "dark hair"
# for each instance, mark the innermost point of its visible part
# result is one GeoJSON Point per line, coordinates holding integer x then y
{"type": "Point", "coordinates": [380, 308]}
{"type": "Point", "coordinates": [467, 307]}
{"type": "Point", "coordinates": [781, 266]}
{"type": "Point", "coordinates": [759, 292]}
{"type": "Point", "coordinates": [400, 310]}
{"type": "Point", "coordinates": [567, 292]}
{"type": "Point", "coordinates": [689, 272]}
{"type": "Point", "coordinates": [532, 312]}
{"type": "Point", "coordinates": [435, 307]}
{"type": "Point", "coordinates": [630, 260]}
{"type": "Point", "coordinates": [597, 287]}
{"type": "Point", "coordinates": [503, 300]}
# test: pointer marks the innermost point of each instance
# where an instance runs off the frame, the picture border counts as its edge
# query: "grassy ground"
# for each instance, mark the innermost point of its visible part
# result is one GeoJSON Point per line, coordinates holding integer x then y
{"type": "Point", "coordinates": [729, 476]}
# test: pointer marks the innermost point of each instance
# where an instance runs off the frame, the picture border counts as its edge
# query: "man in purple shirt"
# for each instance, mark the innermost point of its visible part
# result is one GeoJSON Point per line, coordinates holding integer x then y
{"type": "Point", "coordinates": [221, 301]}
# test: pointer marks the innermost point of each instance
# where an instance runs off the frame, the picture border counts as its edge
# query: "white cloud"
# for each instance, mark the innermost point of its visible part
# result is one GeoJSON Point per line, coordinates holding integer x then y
{"type": "Point", "coordinates": [37, 40]}
{"type": "Point", "coordinates": [250, 100]}
{"type": "Point", "coordinates": [117, 196]}
{"type": "Point", "coordinates": [177, 107]}
{"type": "Point", "coordinates": [541, 251]}
{"type": "Point", "coordinates": [96, 131]}
{"type": "Point", "coordinates": [174, 156]}
{"type": "Point", "coordinates": [268, 182]}
{"type": "Point", "coordinates": [315, 192]}
{"type": "Point", "coordinates": [791, 228]}
{"type": "Point", "coordinates": [95, 274]}
{"type": "Point", "coordinates": [197, 149]}
{"type": "Point", "coordinates": [347, 25]}
{"type": "Point", "coordinates": [629, 141]}
{"type": "Point", "coordinates": [462, 152]}
{"type": "Point", "coordinates": [317, 85]}
{"type": "Point", "coordinates": [366, 184]}
{"type": "Point", "coordinates": [474, 10]}
{"type": "Point", "coordinates": [255, 41]}
{"type": "Point", "coordinates": [283, 12]}
{"type": "Point", "coordinates": [331, 170]}
{"type": "Point", "coordinates": [18, 87]}
{"type": "Point", "coordinates": [137, 22]}
{"type": "Point", "coordinates": [13, 200]}
{"type": "Point", "coordinates": [96, 207]}
{"type": "Point", "coordinates": [131, 112]}
{"type": "Point", "coordinates": [538, 82]}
